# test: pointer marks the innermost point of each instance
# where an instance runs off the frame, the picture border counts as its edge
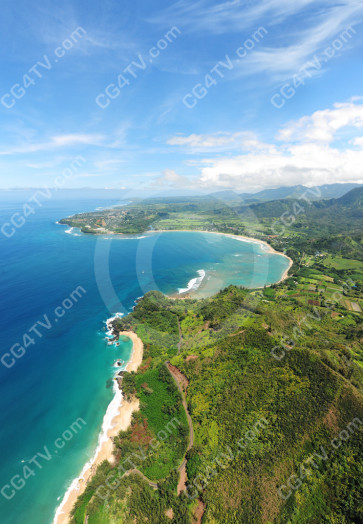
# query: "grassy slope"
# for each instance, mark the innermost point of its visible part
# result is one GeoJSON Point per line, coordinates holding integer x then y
{"type": "Point", "coordinates": [235, 382]}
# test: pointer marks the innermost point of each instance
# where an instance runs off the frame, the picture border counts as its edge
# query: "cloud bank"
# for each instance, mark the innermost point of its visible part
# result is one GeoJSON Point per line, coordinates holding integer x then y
{"type": "Point", "coordinates": [325, 147]}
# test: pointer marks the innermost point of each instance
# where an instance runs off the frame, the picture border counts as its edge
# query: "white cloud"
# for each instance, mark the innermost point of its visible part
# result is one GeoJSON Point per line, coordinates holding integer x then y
{"type": "Point", "coordinates": [246, 141]}
{"type": "Point", "coordinates": [56, 142]}
{"type": "Point", "coordinates": [298, 30]}
{"type": "Point", "coordinates": [204, 142]}
{"type": "Point", "coordinates": [224, 17]}
{"type": "Point", "coordinates": [306, 154]}
{"type": "Point", "coordinates": [358, 141]}
{"type": "Point", "coordinates": [66, 140]}
{"type": "Point", "coordinates": [322, 126]}
{"type": "Point", "coordinates": [88, 175]}
{"type": "Point", "coordinates": [308, 48]}
{"type": "Point", "coordinates": [109, 164]}
{"type": "Point", "coordinates": [308, 165]}
{"type": "Point", "coordinates": [41, 165]}
{"type": "Point", "coordinates": [171, 179]}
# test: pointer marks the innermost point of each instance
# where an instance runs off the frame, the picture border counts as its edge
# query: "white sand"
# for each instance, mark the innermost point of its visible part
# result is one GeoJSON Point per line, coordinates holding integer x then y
{"type": "Point", "coordinates": [120, 422]}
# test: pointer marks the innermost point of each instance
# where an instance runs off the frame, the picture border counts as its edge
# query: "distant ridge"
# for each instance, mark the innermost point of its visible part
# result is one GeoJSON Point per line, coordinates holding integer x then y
{"type": "Point", "coordinates": [324, 192]}
{"type": "Point", "coordinates": [353, 197]}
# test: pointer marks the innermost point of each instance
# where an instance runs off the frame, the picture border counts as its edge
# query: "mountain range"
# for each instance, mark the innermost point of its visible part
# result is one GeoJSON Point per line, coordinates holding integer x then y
{"type": "Point", "coordinates": [326, 191]}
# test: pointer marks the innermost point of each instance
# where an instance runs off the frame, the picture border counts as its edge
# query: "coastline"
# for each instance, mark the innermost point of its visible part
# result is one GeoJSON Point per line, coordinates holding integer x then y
{"type": "Point", "coordinates": [110, 428]}
{"type": "Point", "coordinates": [124, 410]}
{"type": "Point", "coordinates": [286, 273]}
{"type": "Point", "coordinates": [241, 238]}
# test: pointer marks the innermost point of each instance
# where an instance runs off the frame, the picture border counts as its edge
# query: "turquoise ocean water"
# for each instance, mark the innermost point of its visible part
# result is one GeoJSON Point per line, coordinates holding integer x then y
{"type": "Point", "coordinates": [57, 290]}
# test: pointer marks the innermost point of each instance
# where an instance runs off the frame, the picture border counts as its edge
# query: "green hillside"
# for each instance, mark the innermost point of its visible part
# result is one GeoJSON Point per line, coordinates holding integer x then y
{"type": "Point", "coordinates": [268, 413]}
{"type": "Point", "coordinates": [272, 378]}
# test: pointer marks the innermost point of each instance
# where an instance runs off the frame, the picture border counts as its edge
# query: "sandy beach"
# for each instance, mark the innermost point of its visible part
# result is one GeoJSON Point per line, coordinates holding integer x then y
{"type": "Point", "coordinates": [120, 422]}
{"type": "Point", "coordinates": [286, 273]}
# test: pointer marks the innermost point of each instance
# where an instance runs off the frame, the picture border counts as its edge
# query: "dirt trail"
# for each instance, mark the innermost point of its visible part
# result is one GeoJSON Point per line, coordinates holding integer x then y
{"type": "Point", "coordinates": [199, 512]}
{"type": "Point", "coordinates": [182, 383]}
{"type": "Point", "coordinates": [138, 472]}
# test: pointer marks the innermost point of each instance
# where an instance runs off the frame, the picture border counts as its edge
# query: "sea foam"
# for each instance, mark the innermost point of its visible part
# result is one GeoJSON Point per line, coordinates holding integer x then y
{"type": "Point", "coordinates": [109, 332]}
{"type": "Point", "coordinates": [111, 412]}
{"type": "Point", "coordinates": [194, 283]}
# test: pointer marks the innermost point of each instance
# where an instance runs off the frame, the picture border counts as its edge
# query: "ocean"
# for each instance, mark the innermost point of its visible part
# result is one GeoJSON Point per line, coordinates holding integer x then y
{"type": "Point", "coordinates": [58, 287]}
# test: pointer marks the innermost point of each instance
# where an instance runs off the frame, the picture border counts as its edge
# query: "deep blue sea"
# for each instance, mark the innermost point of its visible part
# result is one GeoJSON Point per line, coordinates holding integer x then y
{"type": "Point", "coordinates": [57, 289]}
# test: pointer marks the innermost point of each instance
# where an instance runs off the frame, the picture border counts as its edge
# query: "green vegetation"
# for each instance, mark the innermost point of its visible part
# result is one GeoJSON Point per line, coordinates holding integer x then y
{"type": "Point", "coordinates": [198, 214]}
{"type": "Point", "coordinates": [306, 398]}
{"type": "Point", "coordinates": [274, 387]}
{"type": "Point", "coordinates": [160, 404]}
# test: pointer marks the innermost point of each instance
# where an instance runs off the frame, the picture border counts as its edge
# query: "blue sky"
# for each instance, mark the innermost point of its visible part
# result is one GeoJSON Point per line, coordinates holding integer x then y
{"type": "Point", "coordinates": [179, 96]}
